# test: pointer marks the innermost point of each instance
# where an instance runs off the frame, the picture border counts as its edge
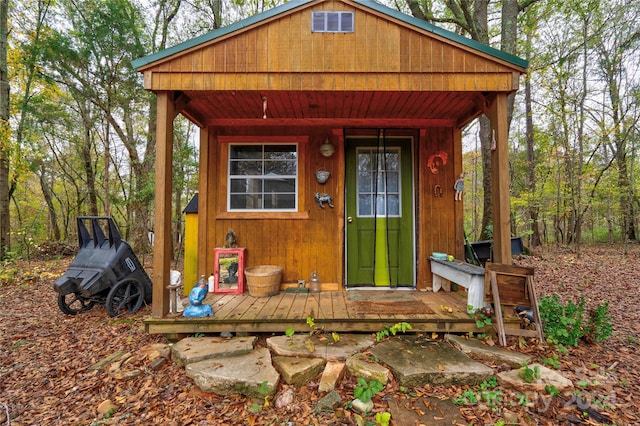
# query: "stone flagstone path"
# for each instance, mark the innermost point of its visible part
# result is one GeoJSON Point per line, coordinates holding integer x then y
{"type": "Point", "coordinates": [236, 366]}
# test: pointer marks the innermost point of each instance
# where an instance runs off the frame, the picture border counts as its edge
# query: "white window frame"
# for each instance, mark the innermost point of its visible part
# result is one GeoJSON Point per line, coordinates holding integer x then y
{"type": "Point", "coordinates": [263, 177]}
{"type": "Point", "coordinates": [323, 21]}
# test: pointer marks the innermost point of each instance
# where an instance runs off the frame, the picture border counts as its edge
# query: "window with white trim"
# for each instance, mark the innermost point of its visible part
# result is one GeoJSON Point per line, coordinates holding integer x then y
{"type": "Point", "coordinates": [331, 22]}
{"type": "Point", "coordinates": [263, 177]}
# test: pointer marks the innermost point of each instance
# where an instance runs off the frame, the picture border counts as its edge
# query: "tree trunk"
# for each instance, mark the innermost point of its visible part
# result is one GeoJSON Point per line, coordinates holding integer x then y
{"type": "Point", "coordinates": [5, 134]}
{"type": "Point", "coordinates": [486, 230]}
{"type": "Point", "coordinates": [533, 207]}
{"type": "Point", "coordinates": [87, 159]}
{"type": "Point", "coordinates": [481, 25]}
{"type": "Point", "coordinates": [48, 198]}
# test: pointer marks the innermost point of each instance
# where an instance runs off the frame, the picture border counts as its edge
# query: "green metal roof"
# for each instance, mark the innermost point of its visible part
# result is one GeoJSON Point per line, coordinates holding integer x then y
{"type": "Point", "coordinates": [293, 4]}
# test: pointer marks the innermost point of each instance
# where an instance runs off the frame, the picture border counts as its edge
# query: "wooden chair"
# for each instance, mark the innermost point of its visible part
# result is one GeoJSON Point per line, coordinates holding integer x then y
{"type": "Point", "coordinates": [509, 285]}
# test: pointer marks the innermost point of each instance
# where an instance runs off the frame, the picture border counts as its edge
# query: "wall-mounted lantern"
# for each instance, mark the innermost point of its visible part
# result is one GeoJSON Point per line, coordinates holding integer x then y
{"type": "Point", "coordinates": [327, 149]}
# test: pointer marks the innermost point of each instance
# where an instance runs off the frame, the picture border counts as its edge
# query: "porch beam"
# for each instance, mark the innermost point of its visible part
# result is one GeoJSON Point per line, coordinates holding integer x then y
{"type": "Point", "coordinates": [162, 228]}
{"type": "Point", "coordinates": [333, 122]}
{"type": "Point", "coordinates": [500, 180]}
{"type": "Point", "coordinates": [424, 81]}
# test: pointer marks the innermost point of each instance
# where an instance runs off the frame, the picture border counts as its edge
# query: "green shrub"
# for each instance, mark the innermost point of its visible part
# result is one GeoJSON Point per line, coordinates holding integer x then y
{"type": "Point", "coordinates": [565, 324]}
{"type": "Point", "coordinates": [562, 323]}
{"type": "Point", "coordinates": [600, 326]}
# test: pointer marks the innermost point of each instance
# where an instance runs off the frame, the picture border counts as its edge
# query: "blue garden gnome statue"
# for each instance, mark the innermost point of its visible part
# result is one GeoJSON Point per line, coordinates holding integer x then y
{"type": "Point", "coordinates": [196, 297]}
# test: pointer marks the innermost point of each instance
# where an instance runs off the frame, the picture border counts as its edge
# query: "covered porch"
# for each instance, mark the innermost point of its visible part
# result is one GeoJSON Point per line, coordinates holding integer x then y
{"type": "Point", "coordinates": [276, 80]}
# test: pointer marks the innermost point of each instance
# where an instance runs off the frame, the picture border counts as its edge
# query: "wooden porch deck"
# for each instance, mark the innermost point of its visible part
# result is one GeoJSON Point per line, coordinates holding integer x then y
{"type": "Point", "coordinates": [339, 311]}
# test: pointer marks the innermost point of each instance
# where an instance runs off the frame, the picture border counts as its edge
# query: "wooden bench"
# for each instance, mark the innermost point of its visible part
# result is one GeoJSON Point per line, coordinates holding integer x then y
{"type": "Point", "coordinates": [464, 274]}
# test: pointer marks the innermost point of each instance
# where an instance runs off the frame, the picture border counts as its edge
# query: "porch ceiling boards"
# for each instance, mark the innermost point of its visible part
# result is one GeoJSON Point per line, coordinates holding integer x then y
{"type": "Point", "coordinates": [332, 311]}
{"type": "Point", "coordinates": [357, 108]}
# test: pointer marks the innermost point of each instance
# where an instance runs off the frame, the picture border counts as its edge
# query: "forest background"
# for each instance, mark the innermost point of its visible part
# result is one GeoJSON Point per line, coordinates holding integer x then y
{"type": "Point", "coordinates": [77, 130]}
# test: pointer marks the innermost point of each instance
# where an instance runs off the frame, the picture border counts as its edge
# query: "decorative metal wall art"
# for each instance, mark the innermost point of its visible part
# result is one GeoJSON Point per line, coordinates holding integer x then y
{"type": "Point", "coordinates": [322, 175]}
{"type": "Point", "coordinates": [322, 198]}
{"type": "Point", "coordinates": [436, 161]}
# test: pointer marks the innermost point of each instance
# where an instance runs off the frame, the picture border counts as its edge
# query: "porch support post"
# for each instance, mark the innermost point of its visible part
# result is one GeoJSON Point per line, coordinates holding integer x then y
{"type": "Point", "coordinates": [458, 207]}
{"type": "Point", "coordinates": [162, 228]}
{"type": "Point", "coordinates": [205, 194]}
{"type": "Point", "coordinates": [500, 180]}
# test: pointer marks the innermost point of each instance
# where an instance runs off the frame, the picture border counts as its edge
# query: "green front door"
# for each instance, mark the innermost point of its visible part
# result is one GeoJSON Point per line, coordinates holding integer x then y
{"type": "Point", "coordinates": [379, 210]}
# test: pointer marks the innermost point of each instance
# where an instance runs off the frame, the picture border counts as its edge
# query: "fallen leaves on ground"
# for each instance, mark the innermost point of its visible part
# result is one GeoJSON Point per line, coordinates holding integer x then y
{"type": "Point", "coordinates": [46, 379]}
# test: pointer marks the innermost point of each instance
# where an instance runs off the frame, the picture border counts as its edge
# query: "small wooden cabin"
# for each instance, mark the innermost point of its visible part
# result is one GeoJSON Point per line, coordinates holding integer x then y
{"type": "Point", "coordinates": [376, 98]}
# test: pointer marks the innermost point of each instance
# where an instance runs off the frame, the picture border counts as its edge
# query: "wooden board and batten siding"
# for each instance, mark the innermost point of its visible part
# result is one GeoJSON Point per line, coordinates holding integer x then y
{"type": "Point", "coordinates": [393, 72]}
{"type": "Point", "coordinates": [283, 54]}
{"type": "Point", "coordinates": [300, 242]}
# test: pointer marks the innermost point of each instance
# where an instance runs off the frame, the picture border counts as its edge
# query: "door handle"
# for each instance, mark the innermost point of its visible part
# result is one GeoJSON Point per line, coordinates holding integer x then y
{"type": "Point", "coordinates": [349, 219]}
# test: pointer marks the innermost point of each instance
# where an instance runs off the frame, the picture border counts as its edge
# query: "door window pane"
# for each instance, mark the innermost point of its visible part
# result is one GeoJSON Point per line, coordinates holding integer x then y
{"type": "Point", "coordinates": [378, 178]}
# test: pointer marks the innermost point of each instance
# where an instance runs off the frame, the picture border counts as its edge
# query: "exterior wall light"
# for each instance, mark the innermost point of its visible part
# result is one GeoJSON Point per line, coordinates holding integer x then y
{"type": "Point", "coordinates": [327, 149]}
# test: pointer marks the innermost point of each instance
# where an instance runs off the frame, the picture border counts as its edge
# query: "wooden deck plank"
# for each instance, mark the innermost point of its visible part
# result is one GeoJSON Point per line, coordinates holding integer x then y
{"type": "Point", "coordinates": [282, 311]}
{"type": "Point", "coordinates": [325, 310]}
{"type": "Point", "coordinates": [340, 309]}
{"type": "Point", "coordinates": [298, 305]}
{"type": "Point", "coordinates": [227, 306]}
{"type": "Point", "coordinates": [312, 305]}
{"type": "Point", "coordinates": [271, 306]}
{"type": "Point", "coordinates": [240, 308]}
{"type": "Point", "coordinates": [255, 311]}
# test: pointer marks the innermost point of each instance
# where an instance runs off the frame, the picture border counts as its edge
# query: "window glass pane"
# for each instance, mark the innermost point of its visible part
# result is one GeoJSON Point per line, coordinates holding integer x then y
{"type": "Point", "coordinates": [333, 21]}
{"type": "Point", "coordinates": [286, 168]}
{"type": "Point", "coordinates": [245, 201]}
{"type": "Point", "coordinates": [245, 168]}
{"type": "Point", "coordinates": [364, 205]}
{"type": "Point", "coordinates": [279, 201]}
{"type": "Point", "coordinates": [392, 182]}
{"type": "Point", "coordinates": [381, 209]}
{"type": "Point", "coordinates": [364, 182]}
{"type": "Point", "coordinates": [346, 21]}
{"type": "Point", "coordinates": [280, 152]}
{"type": "Point", "coordinates": [393, 204]}
{"type": "Point", "coordinates": [364, 161]}
{"type": "Point", "coordinates": [280, 185]}
{"type": "Point", "coordinates": [318, 21]}
{"type": "Point", "coordinates": [245, 185]}
{"type": "Point", "coordinates": [392, 161]}
{"type": "Point", "coordinates": [381, 183]}
{"type": "Point", "coordinates": [243, 152]}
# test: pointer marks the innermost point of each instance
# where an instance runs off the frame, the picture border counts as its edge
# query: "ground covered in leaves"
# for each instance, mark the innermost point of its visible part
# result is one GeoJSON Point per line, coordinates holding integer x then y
{"type": "Point", "coordinates": [46, 358]}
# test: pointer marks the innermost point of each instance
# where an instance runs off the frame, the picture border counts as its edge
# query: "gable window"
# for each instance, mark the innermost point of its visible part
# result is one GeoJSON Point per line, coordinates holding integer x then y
{"type": "Point", "coordinates": [263, 177]}
{"type": "Point", "coordinates": [331, 22]}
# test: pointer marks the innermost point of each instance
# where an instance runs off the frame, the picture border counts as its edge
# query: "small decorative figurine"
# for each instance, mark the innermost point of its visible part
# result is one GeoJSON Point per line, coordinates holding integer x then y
{"type": "Point", "coordinates": [230, 240]}
{"type": "Point", "coordinates": [196, 297]}
{"type": "Point", "coordinates": [322, 198]}
{"type": "Point", "coordinates": [459, 187]}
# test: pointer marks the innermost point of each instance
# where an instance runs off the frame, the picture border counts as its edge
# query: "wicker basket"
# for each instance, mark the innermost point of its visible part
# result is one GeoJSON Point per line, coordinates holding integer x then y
{"type": "Point", "coordinates": [263, 280]}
